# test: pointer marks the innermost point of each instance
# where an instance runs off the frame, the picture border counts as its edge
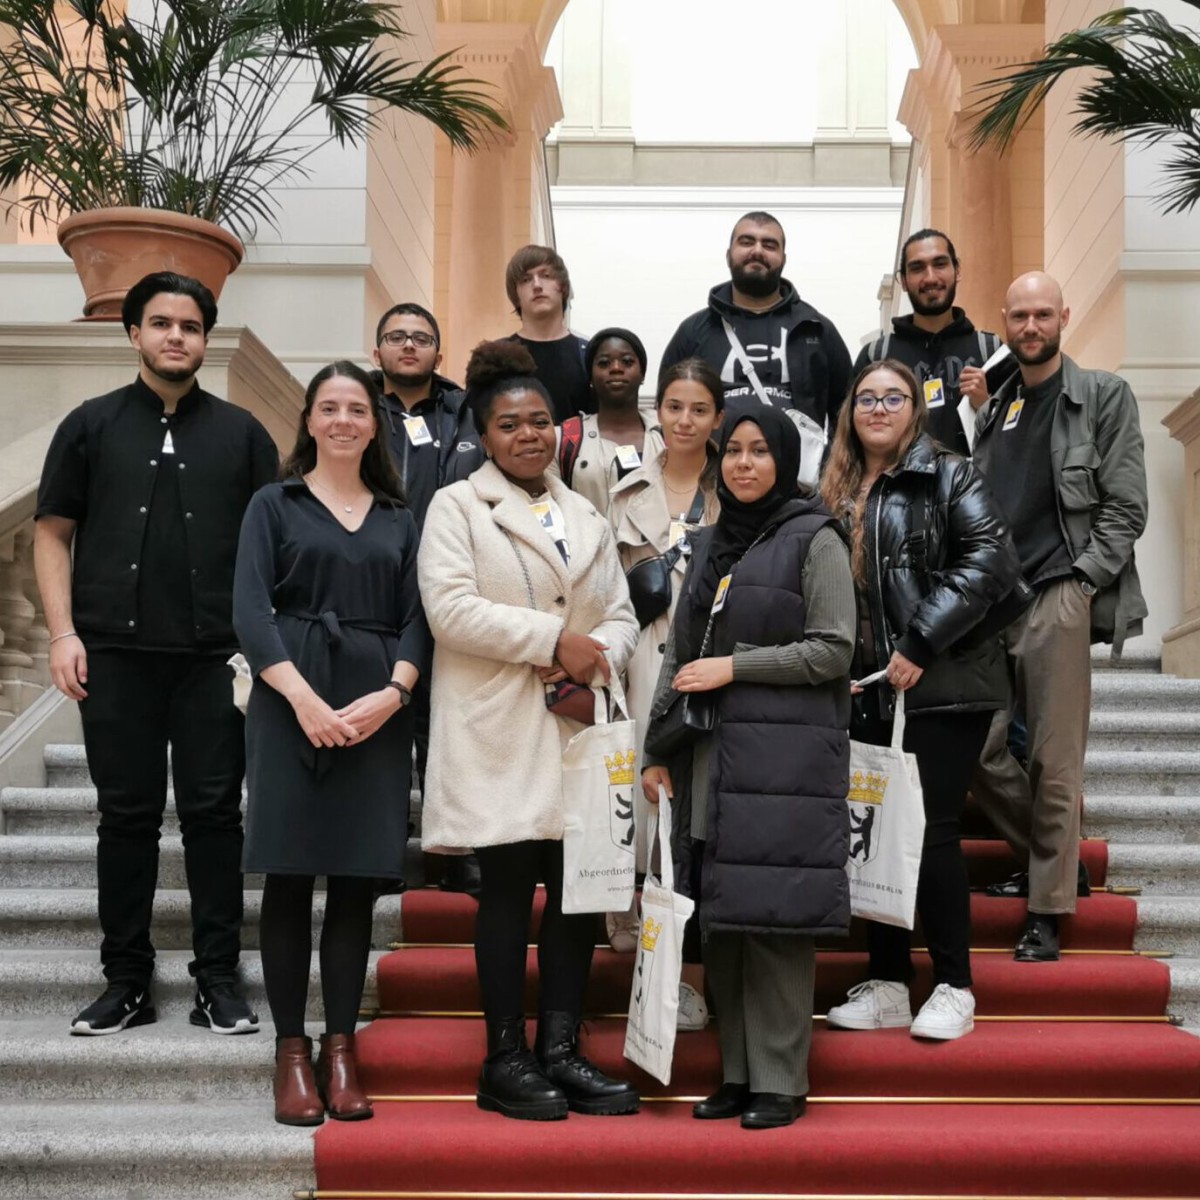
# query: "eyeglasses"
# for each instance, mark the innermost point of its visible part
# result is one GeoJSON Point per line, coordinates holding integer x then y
{"type": "Point", "coordinates": [397, 337]}
{"type": "Point", "coordinates": [892, 402]}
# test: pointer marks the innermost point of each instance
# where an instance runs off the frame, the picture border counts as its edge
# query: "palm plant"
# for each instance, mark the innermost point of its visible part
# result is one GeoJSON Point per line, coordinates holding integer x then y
{"type": "Point", "coordinates": [205, 104]}
{"type": "Point", "coordinates": [1144, 87]}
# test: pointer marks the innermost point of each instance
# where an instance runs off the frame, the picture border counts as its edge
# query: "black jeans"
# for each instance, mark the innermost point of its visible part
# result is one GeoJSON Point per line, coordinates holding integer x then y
{"type": "Point", "coordinates": [947, 746]}
{"type": "Point", "coordinates": [509, 874]}
{"type": "Point", "coordinates": [137, 703]}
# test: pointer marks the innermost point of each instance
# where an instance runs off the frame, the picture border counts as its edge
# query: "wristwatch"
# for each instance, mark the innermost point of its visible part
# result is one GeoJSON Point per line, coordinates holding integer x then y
{"type": "Point", "coordinates": [405, 694]}
{"type": "Point", "coordinates": [1086, 586]}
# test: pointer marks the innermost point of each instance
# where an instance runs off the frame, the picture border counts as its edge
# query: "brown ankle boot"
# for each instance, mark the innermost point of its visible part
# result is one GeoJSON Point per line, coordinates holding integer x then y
{"type": "Point", "coordinates": [337, 1079]}
{"type": "Point", "coordinates": [296, 1099]}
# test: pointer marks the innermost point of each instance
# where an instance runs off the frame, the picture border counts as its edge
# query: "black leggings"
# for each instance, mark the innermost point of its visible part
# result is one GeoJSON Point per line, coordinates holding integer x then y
{"type": "Point", "coordinates": [508, 875]}
{"type": "Point", "coordinates": [947, 746]}
{"type": "Point", "coordinates": [286, 940]}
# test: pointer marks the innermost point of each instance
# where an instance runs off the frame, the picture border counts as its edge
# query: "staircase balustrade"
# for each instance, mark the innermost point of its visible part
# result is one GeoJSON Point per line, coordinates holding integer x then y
{"type": "Point", "coordinates": [24, 638]}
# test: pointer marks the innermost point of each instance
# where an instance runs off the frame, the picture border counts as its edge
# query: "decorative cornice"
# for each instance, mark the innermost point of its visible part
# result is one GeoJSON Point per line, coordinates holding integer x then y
{"type": "Point", "coordinates": [1183, 421]}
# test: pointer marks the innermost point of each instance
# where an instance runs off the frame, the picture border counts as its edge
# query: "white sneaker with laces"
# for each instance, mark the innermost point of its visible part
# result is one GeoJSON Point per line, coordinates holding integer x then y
{"type": "Point", "coordinates": [948, 1014]}
{"type": "Point", "coordinates": [693, 1012]}
{"type": "Point", "coordinates": [876, 1004]}
{"type": "Point", "coordinates": [623, 929]}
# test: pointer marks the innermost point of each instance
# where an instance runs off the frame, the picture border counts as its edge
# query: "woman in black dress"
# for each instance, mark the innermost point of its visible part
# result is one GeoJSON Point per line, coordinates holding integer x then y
{"type": "Point", "coordinates": [328, 613]}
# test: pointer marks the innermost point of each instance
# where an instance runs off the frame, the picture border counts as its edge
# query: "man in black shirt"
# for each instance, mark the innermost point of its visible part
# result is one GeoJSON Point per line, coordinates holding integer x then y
{"type": "Point", "coordinates": [433, 443]}
{"type": "Point", "coordinates": [430, 432]}
{"type": "Point", "coordinates": [768, 345]}
{"type": "Point", "coordinates": [937, 342]}
{"type": "Point", "coordinates": [146, 486]}
{"type": "Point", "coordinates": [1062, 450]}
{"type": "Point", "coordinates": [539, 289]}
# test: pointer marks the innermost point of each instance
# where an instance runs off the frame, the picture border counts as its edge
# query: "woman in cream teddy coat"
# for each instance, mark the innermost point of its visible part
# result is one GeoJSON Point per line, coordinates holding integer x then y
{"type": "Point", "coordinates": [523, 589]}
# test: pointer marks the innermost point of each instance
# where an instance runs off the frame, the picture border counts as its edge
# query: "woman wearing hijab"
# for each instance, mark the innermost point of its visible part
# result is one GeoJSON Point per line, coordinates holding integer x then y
{"type": "Point", "coordinates": [598, 450]}
{"type": "Point", "coordinates": [766, 618]}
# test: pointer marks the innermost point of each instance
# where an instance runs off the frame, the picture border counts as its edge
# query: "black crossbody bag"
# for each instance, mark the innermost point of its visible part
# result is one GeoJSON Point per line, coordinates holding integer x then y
{"type": "Point", "coordinates": [650, 580]}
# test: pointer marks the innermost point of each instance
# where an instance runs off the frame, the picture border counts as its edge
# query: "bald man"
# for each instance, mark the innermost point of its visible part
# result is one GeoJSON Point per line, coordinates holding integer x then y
{"type": "Point", "coordinates": [1062, 450]}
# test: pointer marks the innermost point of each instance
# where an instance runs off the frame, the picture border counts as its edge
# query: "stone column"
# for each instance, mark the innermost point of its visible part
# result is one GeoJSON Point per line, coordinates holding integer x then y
{"type": "Point", "coordinates": [490, 203]}
{"type": "Point", "coordinates": [1181, 643]}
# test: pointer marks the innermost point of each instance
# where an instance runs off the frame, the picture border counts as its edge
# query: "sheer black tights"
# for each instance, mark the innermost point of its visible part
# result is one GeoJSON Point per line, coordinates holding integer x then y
{"type": "Point", "coordinates": [286, 937]}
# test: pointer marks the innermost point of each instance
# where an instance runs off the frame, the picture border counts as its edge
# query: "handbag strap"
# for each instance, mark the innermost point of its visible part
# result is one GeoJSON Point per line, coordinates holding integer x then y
{"type": "Point", "coordinates": [524, 569]}
{"type": "Point", "coordinates": [660, 827]}
{"type": "Point", "coordinates": [692, 517]}
{"type": "Point", "coordinates": [735, 344]}
{"type": "Point", "coordinates": [898, 723]}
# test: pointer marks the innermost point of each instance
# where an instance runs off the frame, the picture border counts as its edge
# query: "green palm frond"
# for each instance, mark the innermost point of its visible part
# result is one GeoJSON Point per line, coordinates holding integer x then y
{"type": "Point", "coordinates": [194, 109]}
{"type": "Point", "coordinates": [1144, 87]}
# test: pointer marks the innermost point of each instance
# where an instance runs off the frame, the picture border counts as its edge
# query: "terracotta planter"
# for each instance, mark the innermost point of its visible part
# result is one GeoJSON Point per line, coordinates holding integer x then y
{"type": "Point", "coordinates": [112, 249]}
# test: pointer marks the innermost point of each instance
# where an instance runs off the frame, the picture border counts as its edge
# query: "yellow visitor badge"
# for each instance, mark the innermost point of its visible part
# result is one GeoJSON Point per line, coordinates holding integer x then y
{"type": "Point", "coordinates": [1013, 415]}
{"type": "Point", "coordinates": [722, 591]}
{"type": "Point", "coordinates": [629, 458]}
{"type": "Point", "coordinates": [418, 431]}
{"type": "Point", "coordinates": [935, 393]}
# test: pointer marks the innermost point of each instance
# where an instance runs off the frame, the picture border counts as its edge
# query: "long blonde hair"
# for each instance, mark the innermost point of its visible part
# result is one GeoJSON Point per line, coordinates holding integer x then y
{"type": "Point", "coordinates": [841, 481]}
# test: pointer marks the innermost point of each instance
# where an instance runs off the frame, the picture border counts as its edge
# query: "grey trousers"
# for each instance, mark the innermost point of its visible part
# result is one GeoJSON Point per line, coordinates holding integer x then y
{"type": "Point", "coordinates": [1037, 811]}
{"type": "Point", "coordinates": [762, 987]}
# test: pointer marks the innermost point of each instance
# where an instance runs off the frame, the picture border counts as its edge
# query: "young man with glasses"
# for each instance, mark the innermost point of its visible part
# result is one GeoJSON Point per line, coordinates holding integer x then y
{"type": "Point", "coordinates": [430, 432]}
{"type": "Point", "coordinates": [433, 442]}
{"type": "Point", "coordinates": [937, 341]}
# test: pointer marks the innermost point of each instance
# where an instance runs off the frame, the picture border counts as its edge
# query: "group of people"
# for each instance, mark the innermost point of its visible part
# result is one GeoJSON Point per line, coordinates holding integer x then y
{"type": "Point", "coordinates": [452, 568]}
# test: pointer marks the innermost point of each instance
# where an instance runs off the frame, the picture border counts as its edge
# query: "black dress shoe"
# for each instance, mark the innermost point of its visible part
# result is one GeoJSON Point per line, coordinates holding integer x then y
{"type": "Point", "coordinates": [1017, 886]}
{"type": "Point", "coordinates": [1039, 941]}
{"type": "Point", "coordinates": [729, 1100]}
{"type": "Point", "coordinates": [769, 1110]}
{"type": "Point", "coordinates": [461, 874]}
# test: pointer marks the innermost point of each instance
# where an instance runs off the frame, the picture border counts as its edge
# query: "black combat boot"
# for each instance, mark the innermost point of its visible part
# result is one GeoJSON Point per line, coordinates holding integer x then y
{"type": "Point", "coordinates": [512, 1082]}
{"type": "Point", "coordinates": [587, 1088]}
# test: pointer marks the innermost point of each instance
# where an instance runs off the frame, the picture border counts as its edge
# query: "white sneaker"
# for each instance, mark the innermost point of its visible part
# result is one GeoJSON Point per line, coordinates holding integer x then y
{"type": "Point", "coordinates": [693, 1012]}
{"type": "Point", "coordinates": [623, 929]}
{"type": "Point", "coordinates": [876, 1004]}
{"type": "Point", "coordinates": [949, 1013]}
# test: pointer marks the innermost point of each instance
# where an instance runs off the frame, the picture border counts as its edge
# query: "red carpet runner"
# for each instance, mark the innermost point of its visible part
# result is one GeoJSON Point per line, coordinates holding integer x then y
{"type": "Point", "coordinates": [1022, 1107]}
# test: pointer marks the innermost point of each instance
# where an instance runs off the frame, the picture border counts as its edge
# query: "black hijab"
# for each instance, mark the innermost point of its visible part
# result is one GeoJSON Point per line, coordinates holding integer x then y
{"type": "Point", "coordinates": [740, 523]}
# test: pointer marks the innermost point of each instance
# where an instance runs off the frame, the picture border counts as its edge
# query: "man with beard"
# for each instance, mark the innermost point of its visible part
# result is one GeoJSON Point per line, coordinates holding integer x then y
{"type": "Point", "coordinates": [430, 432]}
{"type": "Point", "coordinates": [937, 342]}
{"type": "Point", "coordinates": [147, 485]}
{"type": "Point", "coordinates": [433, 442]}
{"type": "Point", "coordinates": [1062, 450]}
{"type": "Point", "coordinates": [768, 345]}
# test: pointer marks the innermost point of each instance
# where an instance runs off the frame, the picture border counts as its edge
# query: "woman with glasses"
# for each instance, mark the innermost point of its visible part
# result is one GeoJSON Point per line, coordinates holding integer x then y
{"type": "Point", "coordinates": [930, 554]}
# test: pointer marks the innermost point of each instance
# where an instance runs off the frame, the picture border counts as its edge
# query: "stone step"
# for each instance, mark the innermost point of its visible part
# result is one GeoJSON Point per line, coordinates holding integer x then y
{"type": "Point", "coordinates": [142, 1150]}
{"type": "Point", "coordinates": [1132, 729]}
{"type": "Point", "coordinates": [1159, 869]}
{"type": "Point", "coordinates": [1146, 661]}
{"type": "Point", "coordinates": [1169, 923]}
{"type": "Point", "coordinates": [66, 918]}
{"type": "Point", "coordinates": [66, 766]}
{"type": "Point", "coordinates": [69, 861]}
{"type": "Point", "coordinates": [1184, 1003]}
{"type": "Point", "coordinates": [170, 1062]}
{"type": "Point", "coordinates": [1122, 772]}
{"type": "Point", "coordinates": [1145, 691]}
{"type": "Point", "coordinates": [56, 984]}
{"type": "Point", "coordinates": [1140, 819]}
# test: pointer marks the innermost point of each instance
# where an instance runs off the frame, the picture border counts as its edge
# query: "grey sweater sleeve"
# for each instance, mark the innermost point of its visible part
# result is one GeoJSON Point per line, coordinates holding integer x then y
{"type": "Point", "coordinates": [828, 646]}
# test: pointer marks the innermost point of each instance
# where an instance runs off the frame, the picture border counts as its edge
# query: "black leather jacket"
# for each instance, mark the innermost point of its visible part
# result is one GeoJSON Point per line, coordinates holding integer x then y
{"type": "Point", "coordinates": [929, 590]}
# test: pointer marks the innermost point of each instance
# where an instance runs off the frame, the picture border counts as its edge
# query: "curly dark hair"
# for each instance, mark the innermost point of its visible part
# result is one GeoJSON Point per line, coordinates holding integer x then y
{"type": "Point", "coordinates": [375, 469]}
{"type": "Point", "coordinates": [496, 369]}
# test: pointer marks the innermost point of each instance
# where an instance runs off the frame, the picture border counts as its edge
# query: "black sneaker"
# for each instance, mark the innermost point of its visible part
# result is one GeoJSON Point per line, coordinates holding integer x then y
{"type": "Point", "coordinates": [122, 1006]}
{"type": "Point", "coordinates": [220, 1007]}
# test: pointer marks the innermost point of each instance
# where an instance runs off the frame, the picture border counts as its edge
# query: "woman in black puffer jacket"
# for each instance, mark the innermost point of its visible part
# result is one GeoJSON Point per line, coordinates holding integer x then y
{"type": "Point", "coordinates": [931, 555]}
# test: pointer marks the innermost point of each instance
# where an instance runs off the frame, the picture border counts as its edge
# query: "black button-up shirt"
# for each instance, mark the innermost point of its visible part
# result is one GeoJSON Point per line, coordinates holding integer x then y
{"type": "Point", "coordinates": [157, 530]}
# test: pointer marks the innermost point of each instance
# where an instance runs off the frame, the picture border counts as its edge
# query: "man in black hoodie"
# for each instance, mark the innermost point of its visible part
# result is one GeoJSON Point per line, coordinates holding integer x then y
{"type": "Point", "coordinates": [937, 342]}
{"type": "Point", "coordinates": [768, 345]}
{"type": "Point", "coordinates": [430, 432]}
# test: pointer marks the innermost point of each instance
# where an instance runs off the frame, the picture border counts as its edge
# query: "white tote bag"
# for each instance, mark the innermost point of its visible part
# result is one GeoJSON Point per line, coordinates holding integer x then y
{"type": "Point", "coordinates": [654, 998]}
{"type": "Point", "coordinates": [599, 842]}
{"type": "Point", "coordinates": [887, 829]}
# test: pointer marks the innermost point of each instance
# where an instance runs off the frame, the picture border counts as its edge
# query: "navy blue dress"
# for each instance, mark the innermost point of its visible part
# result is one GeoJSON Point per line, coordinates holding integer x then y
{"type": "Point", "coordinates": [344, 608]}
